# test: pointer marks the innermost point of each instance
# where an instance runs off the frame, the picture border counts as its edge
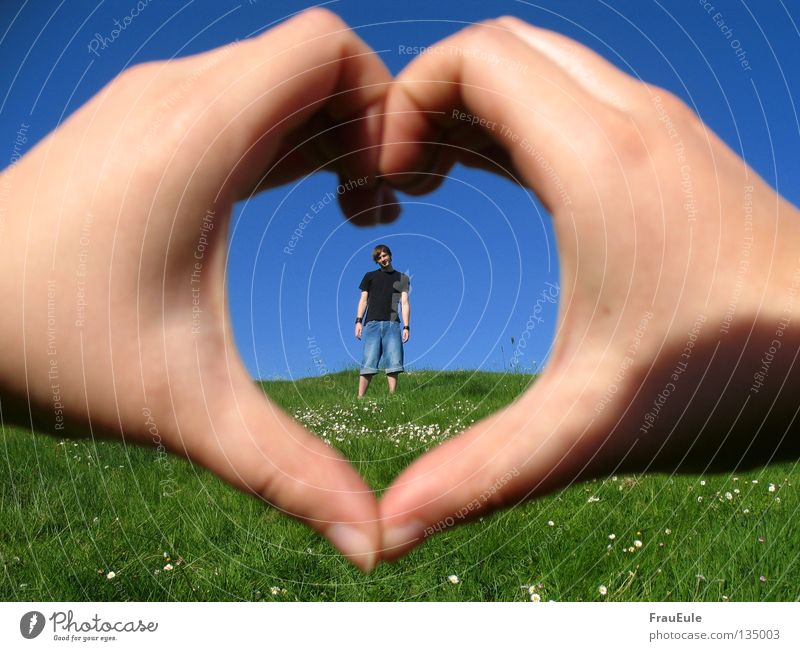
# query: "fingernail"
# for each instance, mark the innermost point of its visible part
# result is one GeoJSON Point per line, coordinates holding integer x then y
{"type": "Point", "coordinates": [354, 544]}
{"type": "Point", "coordinates": [403, 535]}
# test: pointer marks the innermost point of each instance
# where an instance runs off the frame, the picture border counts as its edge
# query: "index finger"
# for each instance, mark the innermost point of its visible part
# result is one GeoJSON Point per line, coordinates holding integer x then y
{"type": "Point", "coordinates": [245, 102]}
{"type": "Point", "coordinates": [486, 79]}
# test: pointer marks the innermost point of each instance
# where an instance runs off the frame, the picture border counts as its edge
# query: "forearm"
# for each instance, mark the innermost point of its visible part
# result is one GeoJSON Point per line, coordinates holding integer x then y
{"type": "Point", "coordinates": [362, 307]}
{"type": "Point", "coordinates": [406, 309]}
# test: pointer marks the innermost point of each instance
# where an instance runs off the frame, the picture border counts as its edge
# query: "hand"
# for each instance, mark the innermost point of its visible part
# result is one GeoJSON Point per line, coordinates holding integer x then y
{"type": "Point", "coordinates": [405, 335]}
{"type": "Point", "coordinates": [114, 271]}
{"type": "Point", "coordinates": [358, 330]}
{"type": "Point", "coordinates": [679, 275]}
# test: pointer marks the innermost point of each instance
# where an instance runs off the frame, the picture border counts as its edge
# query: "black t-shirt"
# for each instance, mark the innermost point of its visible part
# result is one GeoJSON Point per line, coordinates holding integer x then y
{"type": "Point", "coordinates": [384, 289]}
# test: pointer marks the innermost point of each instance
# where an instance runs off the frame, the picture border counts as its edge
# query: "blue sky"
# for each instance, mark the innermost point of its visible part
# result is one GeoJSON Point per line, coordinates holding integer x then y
{"type": "Point", "coordinates": [480, 251]}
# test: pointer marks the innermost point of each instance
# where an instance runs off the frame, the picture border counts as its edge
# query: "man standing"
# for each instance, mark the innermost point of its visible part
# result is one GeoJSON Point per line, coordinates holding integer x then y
{"type": "Point", "coordinates": [381, 292]}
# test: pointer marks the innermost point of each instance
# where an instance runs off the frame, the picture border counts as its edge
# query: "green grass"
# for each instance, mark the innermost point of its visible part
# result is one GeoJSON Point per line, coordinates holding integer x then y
{"type": "Point", "coordinates": [70, 512]}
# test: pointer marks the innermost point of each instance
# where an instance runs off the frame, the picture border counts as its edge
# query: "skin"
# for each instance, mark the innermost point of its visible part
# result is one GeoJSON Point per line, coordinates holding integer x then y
{"type": "Point", "coordinates": [164, 143]}
{"type": "Point", "coordinates": [147, 157]}
{"type": "Point", "coordinates": [646, 285]}
{"type": "Point", "coordinates": [384, 261]}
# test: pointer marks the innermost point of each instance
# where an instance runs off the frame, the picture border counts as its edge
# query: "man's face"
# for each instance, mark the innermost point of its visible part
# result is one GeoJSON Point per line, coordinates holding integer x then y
{"type": "Point", "coordinates": [384, 259]}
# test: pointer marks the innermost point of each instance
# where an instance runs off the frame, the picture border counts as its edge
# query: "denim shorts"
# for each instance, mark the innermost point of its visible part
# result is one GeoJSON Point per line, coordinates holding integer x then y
{"type": "Point", "coordinates": [382, 345]}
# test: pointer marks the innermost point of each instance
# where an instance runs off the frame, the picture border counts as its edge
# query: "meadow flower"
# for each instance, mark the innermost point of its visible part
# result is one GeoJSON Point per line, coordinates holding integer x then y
{"type": "Point", "coordinates": [274, 590]}
{"type": "Point", "coordinates": [762, 578]}
{"type": "Point", "coordinates": [593, 498]}
{"type": "Point", "coordinates": [453, 579]}
{"type": "Point", "coordinates": [612, 536]}
{"type": "Point", "coordinates": [550, 523]}
{"type": "Point", "coordinates": [702, 482]}
{"type": "Point", "coordinates": [637, 544]}
{"type": "Point", "coordinates": [111, 575]}
{"type": "Point", "coordinates": [603, 590]}
{"type": "Point", "coordinates": [168, 567]}
{"type": "Point", "coordinates": [535, 598]}
{"type": "Point", "coordinates": [771, 488]}
{"type": "Point", "coordinates": [728, 495]}
{"type": "Point", "coordinates": [668, 531]}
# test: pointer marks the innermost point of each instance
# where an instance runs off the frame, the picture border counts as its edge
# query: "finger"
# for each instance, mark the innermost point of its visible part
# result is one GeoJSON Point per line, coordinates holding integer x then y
{"type": "Point", "coordinates": [486, 156]}
{"type": "Point", "coordinates": [595, 74]}
{"type": "Point", "coordinates": [250, 443]}
{"type": "Point", "coordinates": [532, 447]}
{"type": "Point", "coordinates": [258, 92]}
{"type": "Point", "coordinates": [369, 206]}
{"type": "Point", "coordinates": [535, 111]}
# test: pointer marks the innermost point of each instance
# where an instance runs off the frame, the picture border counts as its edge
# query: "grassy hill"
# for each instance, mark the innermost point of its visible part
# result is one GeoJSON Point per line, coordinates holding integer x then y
{"type": "Point", "coordinates": [71, 512]}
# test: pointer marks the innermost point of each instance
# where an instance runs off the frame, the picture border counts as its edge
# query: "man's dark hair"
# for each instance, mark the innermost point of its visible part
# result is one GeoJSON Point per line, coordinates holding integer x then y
{"type": "Point", "coordinates": [381, 248]}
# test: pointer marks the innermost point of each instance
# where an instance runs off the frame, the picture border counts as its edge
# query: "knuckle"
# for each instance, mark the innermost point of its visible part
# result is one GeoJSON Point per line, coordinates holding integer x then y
{"type": "Point", "coordinates": [139, 74]}
{"type": "Point", "coordinates": [630, 140]}
{"type": "Point", "coordinates": [321, 18]}
{"type": "Point", "coordinates": [666, 108]}
{"type": "Point", "coordinates": [483, 31]}
{"type": "Point", "coordinates": [616, 138]}
{"type": "Point", "coordinates": [480, 41]}
{"type": "Point", "coordinates": [508, 21]}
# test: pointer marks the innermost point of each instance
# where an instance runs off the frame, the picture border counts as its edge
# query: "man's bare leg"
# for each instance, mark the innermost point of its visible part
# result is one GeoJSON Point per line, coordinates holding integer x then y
{"type": "Point", "coordinates": [391, 378]}
{"type": "Point", "coordinates": [363, 384]}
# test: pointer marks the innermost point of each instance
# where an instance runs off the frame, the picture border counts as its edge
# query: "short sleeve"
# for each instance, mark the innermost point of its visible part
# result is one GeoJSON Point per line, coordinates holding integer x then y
{"type": "Point", "coordinates": [364, 286]}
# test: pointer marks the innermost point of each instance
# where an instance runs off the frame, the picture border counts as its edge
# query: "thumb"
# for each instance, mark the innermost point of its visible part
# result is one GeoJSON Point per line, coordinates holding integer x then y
{"type": "Point", "coordinates": [528, 449]}
{"type": "Point", "coordinates": [252, 444]}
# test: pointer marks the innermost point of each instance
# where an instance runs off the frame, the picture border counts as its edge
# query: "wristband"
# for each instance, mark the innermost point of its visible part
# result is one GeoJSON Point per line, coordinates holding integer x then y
{"type": "Point", "coordinates": [406, 328]}
{"type": "Point", "coordinates": [359, 319]}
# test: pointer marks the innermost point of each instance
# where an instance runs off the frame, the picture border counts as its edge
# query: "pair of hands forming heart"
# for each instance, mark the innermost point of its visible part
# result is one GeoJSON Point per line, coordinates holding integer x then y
{"type": "Point", "coordinates": [679, 267]}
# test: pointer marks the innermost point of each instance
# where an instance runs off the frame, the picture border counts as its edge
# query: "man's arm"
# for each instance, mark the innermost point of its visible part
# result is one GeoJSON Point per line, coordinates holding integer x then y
{"type": "Point", "coordinates": [405, 306]}
{"type": "Point", "coordinates": [362, 307]}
